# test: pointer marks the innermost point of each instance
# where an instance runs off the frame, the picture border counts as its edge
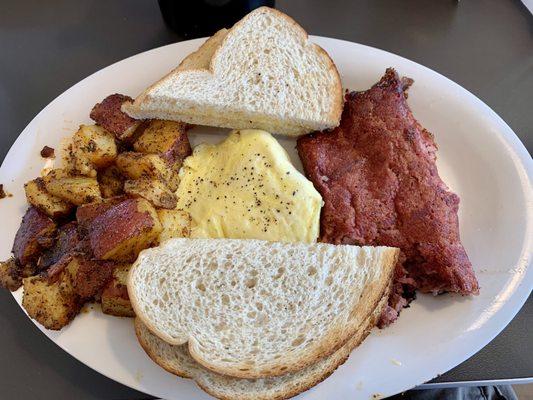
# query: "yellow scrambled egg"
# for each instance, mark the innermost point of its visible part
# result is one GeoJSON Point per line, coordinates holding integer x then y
{"type": "Point", "coordinates": [246, 187]}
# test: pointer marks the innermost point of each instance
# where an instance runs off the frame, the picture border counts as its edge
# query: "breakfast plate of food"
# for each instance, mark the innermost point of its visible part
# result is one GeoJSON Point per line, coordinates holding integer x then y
{"type": "Point", "coordinates": [262, 215]}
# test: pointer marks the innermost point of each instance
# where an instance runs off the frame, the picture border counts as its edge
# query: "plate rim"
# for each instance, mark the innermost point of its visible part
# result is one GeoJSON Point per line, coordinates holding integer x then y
{"type": "Point", "coordinates": [517, 148]}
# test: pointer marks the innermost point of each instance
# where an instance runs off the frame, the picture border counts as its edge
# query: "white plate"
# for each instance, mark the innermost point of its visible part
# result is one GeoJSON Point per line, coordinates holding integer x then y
{"type": "Point", "coordinates": [480, 158]}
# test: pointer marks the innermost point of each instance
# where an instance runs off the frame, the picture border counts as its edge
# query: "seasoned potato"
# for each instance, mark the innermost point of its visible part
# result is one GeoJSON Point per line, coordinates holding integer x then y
{"type": "Point", "coordinates": [123, 230]}
{"type": "Point", "coordinates": [95, 144]}
{"type": "Point", "coordinates": [111, 182]}
{"type": "Point", "coordinates": [88, 277]}
{"type": "Point", "coordinates": [115, 299]}
{"type": "Point", "coordinates": [138, 165]}
{"type": "Point", "coordinates": [75, 189]}
{"type": "Point", "coordinates": [66, 242]}
{"type": "Point", "coordinates": [175, 223]}
{"type": "Point", "coordinates": [52, 303]}
{"type": "Point", "coordinates": [74, 162]}
{"type": "Point", "coordinates": [36, 232]}
{"type": "Point", "coordinates": [86, 214]}
{"type": "Point", "coordinates": [153, 190]}
{"type": "Point", "coordinates": [169, 140]}
{"type": "Point", "coordinates": [160, 136]}
{"type": "Point", "coordinates": [51, 205]}
{"type": "Point", "coordinates": [108, 114]}
{"type": "Point", "coordinates": [10, 278]}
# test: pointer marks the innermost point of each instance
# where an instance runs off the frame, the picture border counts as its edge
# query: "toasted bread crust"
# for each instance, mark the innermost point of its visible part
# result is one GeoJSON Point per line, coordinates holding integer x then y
{"type": "Point", "coordinates": [290, 128]}
{"type": "Point", "coordinates": [286, 388]}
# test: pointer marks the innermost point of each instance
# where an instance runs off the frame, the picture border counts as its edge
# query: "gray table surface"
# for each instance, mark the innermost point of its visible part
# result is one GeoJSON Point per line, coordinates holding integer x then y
{"type": "Point", "coordinates": [485, 46]}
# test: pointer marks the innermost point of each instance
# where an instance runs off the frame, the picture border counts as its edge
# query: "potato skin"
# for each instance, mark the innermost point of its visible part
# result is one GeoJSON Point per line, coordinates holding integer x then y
{"type": "Point", "coordinates": [115, 299]}
{"type": "Point", "coordinates": [36, 232]}
{"type": "Point", "coordinates": [122, 231]}
{"type": "Point", "coordinates": [66, 242]}
{"type": "Point", "coordinates": [109, 115]}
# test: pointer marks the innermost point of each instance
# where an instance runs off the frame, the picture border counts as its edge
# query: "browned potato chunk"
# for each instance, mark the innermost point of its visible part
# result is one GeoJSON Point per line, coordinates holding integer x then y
{"type": "Point", "coordinates": [153, 190]}
{"type": "Point", "coordinates": [10, 278]}
{"type": "Point", "coordinates": [111, 182]}
{"type": "Point", "coordinates": [164, 137]}
{"type": "Point", "coordinates": [175, 223]}
{"type": "Point", "coordinates": [89, 277]}
{"type": "Point", "coordinates": [66, 242]}
{"type": "Point", "coordinates": [123, 230]}
{"type": "Point", "coordinates": [108, 114]}
{"type": "Point", "coordinates": [75, 189]}
{"type": "Point", "coordinates": [51, 205]}
{"type": "Point", "coordinates": [115, 299]}
{"type": "Point", "coordinates": [94, 143]}
{"type": "Point", "coordinates": [138, 165]}
{"type": "Point", "coordinates": [51, 303]}
{"type": "Point", "coordinates": [86, 213]}
{"type": "Point", "coordinates": [74, 162]}
{"type": "Point", "coordinates": [36, 232]}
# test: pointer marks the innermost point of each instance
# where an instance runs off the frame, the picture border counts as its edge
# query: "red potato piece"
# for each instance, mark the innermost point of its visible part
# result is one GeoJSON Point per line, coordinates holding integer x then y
{"type": "Point", "coordinates": [91, 276]}
{"type": "Point", "coordinates": [67, 241]}
{"type": "Point", "coordinates": [123, 230]}
{"type": "Point", "coordinates": [36, 232]}
{"type": "Point", "coordinates": [108, 115]}
{"type": "Point", "coordinates": [86, 213]}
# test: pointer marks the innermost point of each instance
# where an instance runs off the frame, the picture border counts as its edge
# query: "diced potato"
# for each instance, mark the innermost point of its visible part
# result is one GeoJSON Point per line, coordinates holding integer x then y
{"type": "Point", "coordinates": [51, 205]}
{"type": "Point", "coordinates": [87, 213]}
{"type": "Point", "coordinates": [88, 277]}
{"type": "Point", "coordinates": [36, 232]}
{"type": "Point", "coordinates": [153, 190]}
{"type": "Point", "coordinates": [75, 189]}
{"type": "Point", "coordinates": [52, 303]}
{"type": "Point", "coordinates": [95, 144]}
{"type": "Point", "coordinates": [175, 223]}
{"type": "Point", "coordinates": [138, 165]}
{"type": "Point", "coordinates": [10, 278]}
{"type": "Point", "coordinates": [75, 163]}
{"type": "Point", "coordinates": [115, 299]}
{"type": "Point", "coordinates": [66, 242]}
{"type": "Point", "coordinates": [123, 230]}
{"type": "Point", "coordinates": [160, 136]}
{"type": "Point", "coordinates": [111, 182]}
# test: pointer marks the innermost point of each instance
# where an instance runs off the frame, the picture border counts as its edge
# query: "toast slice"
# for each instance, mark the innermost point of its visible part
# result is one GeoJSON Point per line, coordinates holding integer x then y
{"type": "Point", "coordinates": [177, 360]}
{"type": "Point", "coordinates": [262, 73]}
{"type": "Point", "coordinates": [252, 308]}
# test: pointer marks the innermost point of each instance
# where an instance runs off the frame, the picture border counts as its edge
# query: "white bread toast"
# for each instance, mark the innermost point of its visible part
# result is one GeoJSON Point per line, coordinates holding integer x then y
{"type": "Point", "coordinates": [262, 73]}
{"type": "Point", "coordinates": [177, 360]}
{"type": "Point", "coordinates": [253, 309]}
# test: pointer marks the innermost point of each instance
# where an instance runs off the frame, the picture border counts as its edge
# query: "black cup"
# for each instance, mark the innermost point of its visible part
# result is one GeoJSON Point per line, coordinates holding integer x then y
{"type": "Point", "coordinates": [197, 18]}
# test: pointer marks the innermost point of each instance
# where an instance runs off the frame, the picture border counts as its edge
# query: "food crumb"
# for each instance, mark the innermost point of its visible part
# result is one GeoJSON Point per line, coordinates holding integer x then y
{"type": "Point", "coordinates": [3, 193]}
{"type": "Point", "coordinates": [396, 362]}
{"type": "Point", "coordinates": [48, 152]}
{"type": "Point", "coordinates": [377, 396]}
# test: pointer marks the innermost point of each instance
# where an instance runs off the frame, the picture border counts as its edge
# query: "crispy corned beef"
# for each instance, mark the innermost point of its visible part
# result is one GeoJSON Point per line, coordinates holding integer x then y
{"type": "Point", "coordinates": [379, 181]}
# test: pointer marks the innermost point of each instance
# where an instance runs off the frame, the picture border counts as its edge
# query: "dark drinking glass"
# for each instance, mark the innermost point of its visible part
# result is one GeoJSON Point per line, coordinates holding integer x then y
{"type": "Point", "coordinates": [196, 18]}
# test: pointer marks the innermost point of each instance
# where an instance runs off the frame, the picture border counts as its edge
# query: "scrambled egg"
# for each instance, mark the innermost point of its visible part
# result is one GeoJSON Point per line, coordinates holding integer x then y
{"type": "Point", "coordinates": [246, 187]}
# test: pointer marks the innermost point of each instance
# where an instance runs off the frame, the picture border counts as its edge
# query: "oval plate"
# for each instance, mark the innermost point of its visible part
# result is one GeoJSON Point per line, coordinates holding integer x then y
{"type": "Point", "coordinates": [479, 157]}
